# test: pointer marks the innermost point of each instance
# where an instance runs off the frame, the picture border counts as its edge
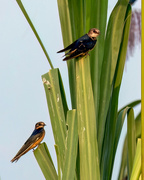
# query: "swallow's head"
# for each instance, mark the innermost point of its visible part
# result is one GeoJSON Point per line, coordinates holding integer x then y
{"type": "Point", "coordinates": [93, 33]}
{"type": "Point", "coordinates": [40, 125]}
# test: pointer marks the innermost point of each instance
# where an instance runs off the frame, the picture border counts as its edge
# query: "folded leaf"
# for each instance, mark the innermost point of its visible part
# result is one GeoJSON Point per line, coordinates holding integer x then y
{"type": "Point", "coordinates": [71, 146]}
{"type": "Point", "coordinates": [136, 170]}
{"type": "Point", "coordinates": [44, 160]}
{"type": "Point", "coordinates": [57, 108]}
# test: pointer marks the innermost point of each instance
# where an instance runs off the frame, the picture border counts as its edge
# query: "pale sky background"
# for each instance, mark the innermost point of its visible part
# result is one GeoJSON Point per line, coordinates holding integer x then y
{"type": "Point", "coordinates": [22, 95]}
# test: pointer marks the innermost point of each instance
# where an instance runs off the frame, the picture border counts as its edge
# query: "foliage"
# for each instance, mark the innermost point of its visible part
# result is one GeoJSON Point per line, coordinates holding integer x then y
{"type": "Point", "coordinates": [87, 136]}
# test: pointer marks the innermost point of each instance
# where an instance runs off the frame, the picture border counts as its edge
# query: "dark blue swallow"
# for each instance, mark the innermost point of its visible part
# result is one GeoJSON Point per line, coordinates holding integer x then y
{"type": "Point", "coordinates": [82, 46]}
{"type": "Point", "coordinates": [34, 140]}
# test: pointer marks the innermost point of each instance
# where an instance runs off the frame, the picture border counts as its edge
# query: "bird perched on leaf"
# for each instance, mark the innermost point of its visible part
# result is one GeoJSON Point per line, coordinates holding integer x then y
{"type": "Point", "coordinates": [81, 46]}
{"type": "Point", "coordinates": [34, 140]}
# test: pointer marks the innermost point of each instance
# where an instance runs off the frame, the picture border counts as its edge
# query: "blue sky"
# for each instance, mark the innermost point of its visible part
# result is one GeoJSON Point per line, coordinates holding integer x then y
{"type": "Point", "coordinates": [22, 96]}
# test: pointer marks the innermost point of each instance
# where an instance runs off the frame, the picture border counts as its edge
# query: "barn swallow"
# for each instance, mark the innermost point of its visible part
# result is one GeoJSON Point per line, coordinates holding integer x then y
{"type": "Point", "coordinates": [34, 140]}
{"type": "Point", "coordinates": [81, 46]}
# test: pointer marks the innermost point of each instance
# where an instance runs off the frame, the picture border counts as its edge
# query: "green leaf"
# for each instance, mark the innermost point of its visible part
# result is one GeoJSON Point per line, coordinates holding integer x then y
{"type": "Point", "coordinates": [44, 160]}
{"type": "Point", "coordinates": [136, 170]}
{"type": "Point", "coordinates": [58, 161]}
{"type": "Point", "coordinates": [65, 21]}
{"type": "Point", "coordinates": [76, 17]}
{"type": "Point", "coordinates": [119, 125]}
{"type": "Point", "coordinates": [65, 106]}
{"type": "Point", "coordinates": [64, 14]}
{"type": "Point", "coordinates": [138, 125]}
{"type": "Point", "coordinates": [132, 104]}
{"type": "Point", "coordinates": [89, 159]}
{"type": "Point", "coordinates": [56, 104]}
{"type": "Point", "coordinates": [34, 30]}
{"type": "Point", "coordinates": [71, 146]}
{"type": "Point", "coordinates": [131, 139]}
{"type": "Point", "coordinates": [111, 51]}
{"type": "Point", "coordinates": [98, 19]}
{"type": "Point", "coordinates": [108, 155]}
{"type": "Point", "coordinates": [76, 9]}
{"type": "Point", "coordinates": [122, 172]}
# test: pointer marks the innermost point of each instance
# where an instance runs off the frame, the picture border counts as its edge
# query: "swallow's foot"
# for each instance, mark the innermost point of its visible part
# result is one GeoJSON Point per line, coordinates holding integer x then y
{"type": "Point", "coordinates": [87, 55]}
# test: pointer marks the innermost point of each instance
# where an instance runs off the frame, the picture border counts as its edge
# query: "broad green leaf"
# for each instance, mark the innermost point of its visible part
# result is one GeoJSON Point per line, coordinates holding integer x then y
{"type": "Point", "coordinates": [136, 170]}
{"type": "Point", "coordinates": [77, 25]}
{"type": "Point", "coordinates": [98, 19]}
{"type": "Point", "coordinates": [58, 161]}
{"type": "Point", "coordinates": [122, 172]}
{"type": "Point", "coordinates": [34, 30]}
{"type": "Point", "coordinates": [111, 51]}
{"type": "Point", "coordinates": [89, 159]}
{"type": "Point", "coordinates": [77, 18]}
{"type": "Point", "coordinates": [64, 14]}
{"type": "Point", "coordinates": [44, 160]}
{"type": "Point", "coordinates": [109, 138]}
{"type": "Point", "coordinates": [71, 146]}
{"type": "Point", "coordinates": [56, 104]}
{"type": "Point", "coordinates": [138, 125]}
{"type": "Point", "coordinates": [65, 106]}
{"type": "Point", "coordinates": [119, 125]}
{"type": "Point", "coordinates": [131, 139]}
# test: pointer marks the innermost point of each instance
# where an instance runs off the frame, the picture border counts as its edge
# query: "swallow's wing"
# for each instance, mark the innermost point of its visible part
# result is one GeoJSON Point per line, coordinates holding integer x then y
{"type": "Point", "coordinates": [68, 47]}
{"type": "Point", "coordinates": [82, 46]}
{"type": "Point", "coordinates": [75, 43]}
{"type": "Point", "coordinates": [36, 135]}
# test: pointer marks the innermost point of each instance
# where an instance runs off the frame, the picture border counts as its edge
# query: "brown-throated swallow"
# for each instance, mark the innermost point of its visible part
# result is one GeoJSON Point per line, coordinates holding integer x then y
{"type": "Point", "coordinates": [34, 140]}
{"type": "Point", "coordinates": [81, 46]}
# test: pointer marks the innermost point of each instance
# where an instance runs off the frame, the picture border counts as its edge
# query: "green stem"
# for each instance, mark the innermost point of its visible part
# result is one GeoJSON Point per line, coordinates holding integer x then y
{"type": "Point", "coordinates": [35, 32]}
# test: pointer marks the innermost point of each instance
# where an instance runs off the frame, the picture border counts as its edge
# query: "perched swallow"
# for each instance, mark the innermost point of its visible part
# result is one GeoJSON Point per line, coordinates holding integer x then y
{"type": "Point", "coordinates": [82, 46]}
{"type": "Point", "coordinates": [34, 140]}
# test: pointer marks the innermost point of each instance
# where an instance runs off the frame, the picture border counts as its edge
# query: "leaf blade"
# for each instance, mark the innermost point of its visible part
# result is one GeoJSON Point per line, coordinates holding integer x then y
{"type": "Point", "coordinates": [136, 170]}
{"type": "Point", "coordinates": [131, 139]}
{"type": "Point", "coordinates": [44, 160]}
{"type": "Point", "coordinates": [108, 154]}
{"type": "Point", "coordinates": [71, 146]}
{"type": "Point", "coordinates": [112, 45]}
{"type": "Point", "coordinates": [56, 109]}
{"type": "Point", "coordinates": [86, 122]}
